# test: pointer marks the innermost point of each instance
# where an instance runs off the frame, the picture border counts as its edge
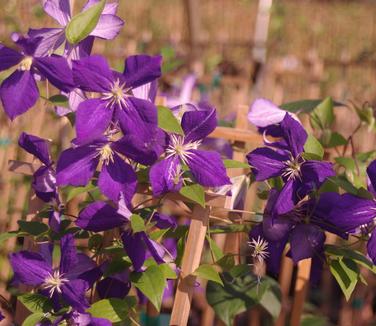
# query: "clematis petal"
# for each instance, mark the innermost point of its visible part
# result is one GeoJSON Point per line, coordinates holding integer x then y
{"type": "Point", "coordinates": [371, 173]}
{"type": "Point", "coordinates": [111, 287]}
{"type": "Point", "coordinates": [99, 216]}
{"type": "Point", "coordinates": [164, 221]}
{"type": "Point", "coordinates": [36, 146]}
{"type": "Point", "coordinates": [73, 292]}
{"type": "Point", "coordinates": [68, 258]}
{"type": "Point", "coordinates": [18, 93]}
{"type": "Point", "coordinates": [350, 212]}
{"type": "Point", "coordinates": [276, 229]}
{"type": "Point", "coordinates": [145, 150]}
{"type": "Point", "coordinates": [138, 117]}
{"type": "Point", "coordinates": [135, 248]}
{"type": "Point", "coordinates": [108, 27]}
{"type": "Point", "coordinates": [58, 9]}
{"type": "Point", "coordinates": [156, 250]}
{"type": "Point", "coordinates": [142, 69]}
{"type": "Point", "coordinates": [117, 178]}
{"type": "Point", "coordinates": [81, 50]}
{"type": "Point", "coordinates": [92, 74]}
{"type": "Point", "coordinates": [207, 168]}
{"type": "Point", "coordinates": [266, 163]}
{"type": "Point", "coordinates": [306, 241]}
{"type": "Point", "coordinates": [371, 247]}
{"type": "Point", "coordinates": [294, 134]}
{"type": "Point", "coordinates": [57, 71]}
{"type": "Point", "coordinates": [165, 176]}
{"type": "Point", "coordinates": [314, 173]}
{"type": "Point", "coordinates": [76, 166]}
{"type": "Point", "coordinates": [52, 39]}
{"type": "Point", "coordinates": [198, 124]}
{"type": "Point", "coordinates": [147, 91]}
{"type": "Point", "coordinates": [29, 268]}
{"type": "Point", "coordinates": [8, 58]}
{"type": "Point", "coordinates": [92, 119]}
{"type": "Point", "coordinates": [288, 197]}
{"type": "Point", "coordinates": [44, 183]}
{"type": "Point", "coordinates": [263, 113]}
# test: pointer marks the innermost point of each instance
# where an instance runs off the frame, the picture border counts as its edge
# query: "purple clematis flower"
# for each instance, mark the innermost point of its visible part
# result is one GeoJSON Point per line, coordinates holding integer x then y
{"type": "Point", "coordinates": [206, 167]}
{"type": "Point", "coordinates": [116, 102]}
{"type": "Point", "coordinates": [108, 27]}
{"type": "Point", "coordinates": [75, 275]}
{"type": "Point", "coordinates": [100, 216]}
{"type": "Point", "coordinates": [358, 215]}
{"type": "Point", "coordinates": [76, 166]}
{"type": "Point", "coordinates": [19, 92]}
{"type": "Point", "coordinates": [300, 176]}
{"type": "Point", "coordinates": [303, 227]}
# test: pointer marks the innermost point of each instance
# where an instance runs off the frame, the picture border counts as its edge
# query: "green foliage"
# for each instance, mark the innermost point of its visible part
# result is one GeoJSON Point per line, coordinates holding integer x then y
{"type": "Point", "coordinates": [59, 100]}
{"type": "Point", "coordinates": [32, 227]}
{"type": "Point", "coordinates": [194, 192]}
{"type": "Point", "coordinates": [208, 272]}
{"type": "Point", "coordinates": [233, 164]}
{"type": "Point", "coordinates": [35, 302]}
{"type": "Point", "coordinates": [322, 117]}
{"type": "Point", "coordinates": [113, 309]}
{"type": "Point", "coordinates": [84, 23]}
{"type": "Point", "coordinates": [73, 192]}
{"type": "Point", "coordinates": [241, 292]}
{"type": "Point", "coordinates": [313, 149]}
{"type": "Point", "coordinates": [167, 121]}
{"type": "Point", "coordinates": [304, 106]}
{"type": "Point", "coordinates": [151, 283]}
{"type": "Point", "coordinates": [33, 319]}
{"type": "Point", "coordinates": [137, 223]}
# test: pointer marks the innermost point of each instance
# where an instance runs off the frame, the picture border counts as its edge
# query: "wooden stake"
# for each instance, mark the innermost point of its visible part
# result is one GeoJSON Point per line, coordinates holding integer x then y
{"type": "Point", "coordinates": [191, 260]}
{"type": "Point", "coordinates": [301, 290]}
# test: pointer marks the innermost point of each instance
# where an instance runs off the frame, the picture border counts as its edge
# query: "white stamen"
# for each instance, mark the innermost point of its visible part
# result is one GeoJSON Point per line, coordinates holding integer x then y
{"type": "Point", "coordinates": [106, 154]}
{"type": "Point", "coordinates": [260, 248]}
{"type": "Point", "coordinates": [179, 147]}
{"type": "Point", "coordinates": [292, 170]}
{"type": "Point", "coordinates": [117, 95]}
{"type": "Point", "coordinates": [25, 64]}
{"type": "Point", "coordinates": [53, 282]}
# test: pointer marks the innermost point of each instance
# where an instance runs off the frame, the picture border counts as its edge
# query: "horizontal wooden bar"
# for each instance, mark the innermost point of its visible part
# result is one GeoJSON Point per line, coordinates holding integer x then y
{"type": "Point", "coordinates": [239, 135]}
{"type": "Point", "coordinates": [211, 199]}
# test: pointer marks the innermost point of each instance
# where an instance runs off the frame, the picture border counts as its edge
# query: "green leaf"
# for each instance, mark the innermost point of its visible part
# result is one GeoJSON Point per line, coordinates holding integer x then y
{"type": "Point", "coordinates": [347, 162]}
{"type": "Point", "coordinates": [322, 116]}
{"type": "Point", "coordinates": [32, 227]}
{"type": "Point", "coordinates": [84, 23]}
{"type": "Point", "coordinates": [305, 106]}
{"type": "Point", "coordinates": [346, 273]}
{"type": "Point", "coordinates": [167, 271]}
{"type": "Point", "coordinates": [208, 272]}
{"type": "Point", "coordinates": [217, 252]}
{"type": "Point", "coordinates": [227, 262]}
{"type": "Point", "coordinates": [151, 283]}
{"type": "Point", "coordinates": [59, 100]}
{"type": "Point", "coordinates": [75, 191]}
{"type": "Point", "coordinates": [35, 302]}
{"type": "Point", "coordinates": [335, 140]}
{"type": "Point", "coordinates": [33, 319]}
{"type": "Point", "coordinates": [194, 192]}
{"type": "Point", "coordinates": [113, 309]}
{"type": "Point", "coordinates": [233, 164]}
{"type": "Point", "coordinates": [167, 121]}
{"type": "Point", "coordinates": [313, 146]}
{"type": "Point", "coordinates": [238, 294]}
{"type": "Point", "coordinates": [137, 223]}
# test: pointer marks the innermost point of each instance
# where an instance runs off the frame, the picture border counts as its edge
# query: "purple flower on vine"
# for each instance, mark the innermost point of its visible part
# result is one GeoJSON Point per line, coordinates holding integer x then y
{"type": "Point", "coordinates": [300, 176]}
{"type": "Point", "coordinates": [116, 104]}
{"type": "Point", "coordinates": [70, 281]}
{"type": "Point", "coordinates": [183, 151]}
{"type": "Point", "coordinates": [19, 92]}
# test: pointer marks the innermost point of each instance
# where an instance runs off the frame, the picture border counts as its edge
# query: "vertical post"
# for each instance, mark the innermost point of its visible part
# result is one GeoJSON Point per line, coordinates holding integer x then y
{"type": "Point", "coordinates": [191, 260]}
{"type": "Point", "coordinates": [301, 290]}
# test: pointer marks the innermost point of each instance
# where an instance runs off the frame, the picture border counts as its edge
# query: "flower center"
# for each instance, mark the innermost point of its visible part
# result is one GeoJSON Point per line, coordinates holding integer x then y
{"type": "Point", "coordinates": [180, 148]}
{"type": "Point", "coordinates": [53, 282]}
{"type": "Point", "coordinates": [25, 64]}
{"type": "Point", "coordinates": [117, 95]}
{"type": "Point", "coordinates": [259, 247]}
{"type": "Point", "coordinates": [106, 154]}
{"type": "Point", "coordinates": [292, 169]}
